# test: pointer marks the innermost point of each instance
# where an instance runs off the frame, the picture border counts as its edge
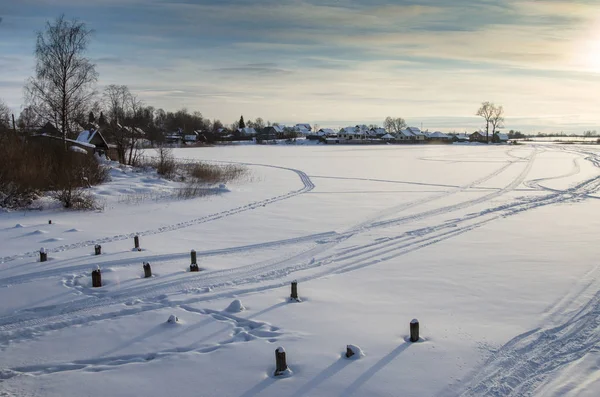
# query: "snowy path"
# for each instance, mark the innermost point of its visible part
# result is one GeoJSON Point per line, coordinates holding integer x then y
{"type": "Point", "coordinates": [307, 187]}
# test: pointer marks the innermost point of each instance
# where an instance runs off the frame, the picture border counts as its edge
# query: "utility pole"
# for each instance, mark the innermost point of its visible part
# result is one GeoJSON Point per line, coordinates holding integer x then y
{"type": "Point", "coordinates": [14, 124]}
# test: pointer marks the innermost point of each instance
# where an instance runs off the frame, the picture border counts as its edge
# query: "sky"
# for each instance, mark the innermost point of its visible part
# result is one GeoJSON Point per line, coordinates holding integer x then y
{"type": "Point", "coordinates": [334, 62]}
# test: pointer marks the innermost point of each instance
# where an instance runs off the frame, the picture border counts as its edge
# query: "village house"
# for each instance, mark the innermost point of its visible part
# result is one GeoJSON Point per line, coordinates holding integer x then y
{"type": "Point", "coordinates": [479, 136]}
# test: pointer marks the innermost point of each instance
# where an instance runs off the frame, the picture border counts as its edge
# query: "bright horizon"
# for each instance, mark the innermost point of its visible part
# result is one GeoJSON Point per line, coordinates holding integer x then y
{"type": "Point", "coordinates": [335, 63]}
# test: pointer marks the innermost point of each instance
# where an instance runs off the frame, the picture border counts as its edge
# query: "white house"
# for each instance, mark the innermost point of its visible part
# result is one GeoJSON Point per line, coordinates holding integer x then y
{"type": "Point", "coordinates": [405, 135]}
{"type": "Point", "coordinates": [418, 135]}
{"type": "Point", "coordinates": [353, 133]}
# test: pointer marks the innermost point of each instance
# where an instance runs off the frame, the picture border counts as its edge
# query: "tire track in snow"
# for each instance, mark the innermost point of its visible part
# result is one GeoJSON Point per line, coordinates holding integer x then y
{"type": "Point", "coordinates": [462, 205]}
{"type": "Point", "coordinates": [85, 310]}
{"type": "Point", "coordinates": [308, 185]}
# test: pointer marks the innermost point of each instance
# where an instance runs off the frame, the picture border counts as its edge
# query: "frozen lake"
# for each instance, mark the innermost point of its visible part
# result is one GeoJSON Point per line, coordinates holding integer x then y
{"type": "Point", "coordinates": [492, 248]}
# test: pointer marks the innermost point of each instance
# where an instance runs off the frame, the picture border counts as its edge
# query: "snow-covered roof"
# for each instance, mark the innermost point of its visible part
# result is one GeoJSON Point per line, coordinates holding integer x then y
{"type": "Point", "coordinates": [406, 132]}
{"type": "Point", "coordinates": [415, 131]}
{"type": "Point", "coordinates": [438, 134]}
{"type": "Point", "coordinates": [247, 131]}
{"type": "Point", "coordinates": [326, 131]}
{"type": "Point", "coordinates": [387, 136]}
{"type": "Point", "coordinates": [502, 137]}
{"type": "Point", "coordinates": [305, 126]}
{"type": "Point", "coordinates": [85, 136]}
{"type": "Point", "coordinates": [379, 131]}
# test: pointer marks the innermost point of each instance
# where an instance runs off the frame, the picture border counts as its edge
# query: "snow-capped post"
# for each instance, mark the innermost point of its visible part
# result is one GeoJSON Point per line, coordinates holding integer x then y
{"type": "Point", "coordinates": [280, 362]}
{"type": "Point", "coordinates": [349, 351]}
{"type": "Point", "coordinates": [43, 255]}
{"type": "Point", "coordinates": [96, 278]}
{"type": "Point", "coordinates": [147, 270]}
{"type": "Point", "coordinates": [193, 257]}
{"type": "Point", "coordinates": [136, 242]}
{"type": "Point", "coordinates": [97, 249]}
{"type": "Point", "coordinates": [294, 294]}
{"type": "Point", "coordinates": [414, 330]}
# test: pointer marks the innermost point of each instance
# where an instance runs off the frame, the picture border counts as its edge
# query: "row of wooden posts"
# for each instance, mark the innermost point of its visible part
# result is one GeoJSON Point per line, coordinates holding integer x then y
{"type": "Point", "coordinates": [280, 357]}
{"type": "Point", "coordinates": [281, 367]}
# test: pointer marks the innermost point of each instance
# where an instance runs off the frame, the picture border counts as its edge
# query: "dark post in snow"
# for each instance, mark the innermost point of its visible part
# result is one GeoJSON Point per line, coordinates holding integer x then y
{"type": "Point", "coordinates": [96, 278]}
{"type": "Point", "coordinates": [194, 268]}
{"type": "Point", "coordinates": [414, 330]}
{"type": "Point", "coordinates": [43, 255]}
{"type": "Point", "coordinates": [136, 242]}
{"type": "Point", "coordinates": [294, 294]}
{"type": "Point", "coordinates": [349, 352]}
{"type": "Point", "coordinates": [97, 249]}
{"type": "Point", "coordinates": [193, 257]}
{"type": "Point", "coordinates": [50, 221]}
{"type": "Point", "coordinates": [280, 362]}
{"type": "Point", "coordinates": [147, 270]}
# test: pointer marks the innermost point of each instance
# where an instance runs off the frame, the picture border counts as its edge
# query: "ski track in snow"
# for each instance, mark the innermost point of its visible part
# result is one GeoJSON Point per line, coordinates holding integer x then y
{"type": "Point", "coordinates": [276, 270]}
{"type": "Point", "coordinates": [515, 369]}
{"type": "Point", "coordinates": [308, 185]}
{"type": "Point", "coordinates": [524, 363]}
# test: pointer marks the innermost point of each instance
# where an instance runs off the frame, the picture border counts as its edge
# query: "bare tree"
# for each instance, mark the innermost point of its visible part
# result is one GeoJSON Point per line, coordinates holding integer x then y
{"type": "Point", "coordinates": [4, 115]}
{"type": "Point", "coordinates": [116, 100]}
{"type": "Point", "coordinates": [63, 85]}
{"type": "Point", "coordinates": [487, 111]}
{"type": "Point", "coordinates": [497, 119]}
{"type": "Point", "coordinates": [28, 121]}
{"type": "Point", "coordinates": [394, 125]}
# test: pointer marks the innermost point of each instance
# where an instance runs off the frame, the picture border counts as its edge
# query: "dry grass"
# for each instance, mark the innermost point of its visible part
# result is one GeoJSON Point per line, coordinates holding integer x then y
{"type": "Point", "coordinates": [29, 169]}
{"type": "Point", "coordinates": [213, 174]}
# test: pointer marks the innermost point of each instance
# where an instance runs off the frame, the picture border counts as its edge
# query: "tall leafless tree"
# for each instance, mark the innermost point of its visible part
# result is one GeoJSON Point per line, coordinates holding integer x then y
{"type": "Point", "coordinates": [394, 125]}
{"type": "Point", "coordinates": [497, 119]}
{"type": "Point", "coordinates": [116, 99]}
{"type": "Point", "coordinates": [63, 85]}
{"type": "Point", "coordinates": [486, 111]}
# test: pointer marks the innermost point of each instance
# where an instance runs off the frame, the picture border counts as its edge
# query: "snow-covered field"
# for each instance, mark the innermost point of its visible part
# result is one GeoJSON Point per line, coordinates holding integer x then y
{"type": "Point", "coordinates": [494, 249]}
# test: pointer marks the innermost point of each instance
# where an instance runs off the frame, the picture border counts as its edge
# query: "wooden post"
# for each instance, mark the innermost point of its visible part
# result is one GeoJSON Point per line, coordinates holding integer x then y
{"type": "Point", "coordinates": [43, 255]}
{"type": "Point", "coordinates": [96, 279]}
{"type": "Point", "coordinates": [349, 352]}
{"type": "Point", "coordinates": [193, 257]}
{"type": "Point", "coordinates": [280, 361]}
{"type": "Point", "coordinates": [414, 330]}
{"type": "Point", "coordinates": [98, 249]}
{"type": "Point", "coordinates": [147, 270]}
{"type": "Point", "coordinates": [194, 268]}
{"type": "Point", "coordinates": [49, 221]}
{"type": "Point", "coordinates": [136, 242]}
{"type": "Point", "coordinates": [294, 294]}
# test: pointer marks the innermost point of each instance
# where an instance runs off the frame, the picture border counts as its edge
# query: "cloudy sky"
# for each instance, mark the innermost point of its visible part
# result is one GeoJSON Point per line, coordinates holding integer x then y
{"type": "Point", "coordinates": [335, 62]}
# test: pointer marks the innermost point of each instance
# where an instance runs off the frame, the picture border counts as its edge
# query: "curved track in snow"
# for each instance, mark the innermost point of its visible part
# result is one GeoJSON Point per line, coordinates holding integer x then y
{"type": "Point", "coordinates": [308, 185]}
{"type": "Point", "coordinates": [276, 273]}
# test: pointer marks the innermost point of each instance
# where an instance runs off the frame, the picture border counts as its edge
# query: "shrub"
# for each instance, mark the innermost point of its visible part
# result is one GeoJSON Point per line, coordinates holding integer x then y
{"type": "Point", "coordinates": [28, 168]}
{"type": "Point", "coordinates": [166, 165]}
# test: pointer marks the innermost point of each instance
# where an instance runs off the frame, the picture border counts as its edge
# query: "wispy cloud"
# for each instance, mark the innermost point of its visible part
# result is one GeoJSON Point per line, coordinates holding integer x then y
{"type": "Point", "coordinates": [333, 59]}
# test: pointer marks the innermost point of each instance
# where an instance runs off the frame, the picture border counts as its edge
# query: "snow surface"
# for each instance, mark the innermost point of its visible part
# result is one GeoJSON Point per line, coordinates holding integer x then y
{"type": "Point", "coordinates": [492, 247]}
